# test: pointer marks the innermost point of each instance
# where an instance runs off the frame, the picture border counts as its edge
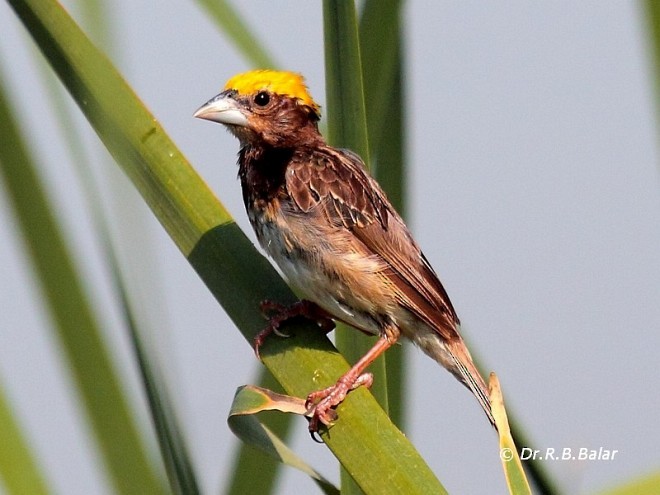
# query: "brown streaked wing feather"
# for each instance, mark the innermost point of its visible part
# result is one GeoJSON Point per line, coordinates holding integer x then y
{"type": "Point", "coordinates": [339, 184]}
{"type": "Point", "coordinates": [419, 288]}
{"type": "Point", "coordinates": [336, 181]}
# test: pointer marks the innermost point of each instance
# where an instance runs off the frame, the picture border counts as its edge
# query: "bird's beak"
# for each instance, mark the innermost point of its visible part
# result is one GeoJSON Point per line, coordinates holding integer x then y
{"type": "Point", "coordinates": [223, 109]}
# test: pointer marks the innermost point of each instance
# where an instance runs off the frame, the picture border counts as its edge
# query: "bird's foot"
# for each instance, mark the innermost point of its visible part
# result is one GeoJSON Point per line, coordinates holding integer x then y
{"type": "Point", "coordinates": [276, 314]}
{"type": "Point", "coordinates": [320, 404]}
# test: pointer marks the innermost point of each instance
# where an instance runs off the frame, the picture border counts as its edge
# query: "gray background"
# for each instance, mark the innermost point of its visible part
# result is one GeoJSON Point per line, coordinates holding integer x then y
{"type": "Point", "coordinates": [533, 191]}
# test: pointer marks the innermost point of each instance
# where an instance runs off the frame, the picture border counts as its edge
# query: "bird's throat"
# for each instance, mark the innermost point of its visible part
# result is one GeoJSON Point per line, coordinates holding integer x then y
{"type": "Point", "coordinates": [262, 171]}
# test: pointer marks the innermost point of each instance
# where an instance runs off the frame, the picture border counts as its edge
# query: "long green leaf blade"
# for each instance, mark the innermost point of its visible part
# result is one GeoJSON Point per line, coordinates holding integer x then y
{"type": "Point", "coordinates": [19, 471]}
{"type": "Point", "coordinates": [170, 440]}
{"type": "Point", "coordinates": [380, 38]}
{"type": "Point", "coordinates": [76, 325]}
{"type": "Point", "coordinates": [644, 485]}
{"type": "Point", "coordinates": [347, 120]}
{"type": "Point", "coordinates": [514, 473]}
{"type": "Point", "coordinates": [380, 35]}
{"type": "Point", "coordinates": [234, 26]}
{"type": "Point", "coordinates": [18, 467]}
{"type": "Point", "coordinates": [653, 23]}
{"type": "Point", "coordinates": [128, 130]}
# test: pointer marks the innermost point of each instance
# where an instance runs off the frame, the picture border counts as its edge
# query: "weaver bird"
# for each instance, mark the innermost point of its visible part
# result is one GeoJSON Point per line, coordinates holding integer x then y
{"type": "Point", "coordinates": [331, 229]}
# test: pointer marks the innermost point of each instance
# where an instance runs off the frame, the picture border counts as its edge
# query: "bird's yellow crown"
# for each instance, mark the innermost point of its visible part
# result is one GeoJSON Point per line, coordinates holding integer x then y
{"type": "Point", "coordinates": [283, 83]}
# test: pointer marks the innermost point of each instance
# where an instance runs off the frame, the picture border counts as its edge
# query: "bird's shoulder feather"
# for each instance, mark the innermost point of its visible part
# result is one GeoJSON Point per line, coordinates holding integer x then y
{"type": "Point", "coordinates": [335, 180]}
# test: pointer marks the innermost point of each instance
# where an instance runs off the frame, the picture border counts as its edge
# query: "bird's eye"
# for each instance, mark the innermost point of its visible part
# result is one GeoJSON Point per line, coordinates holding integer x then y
{"type": "Point", "coordinates": [262, 99]}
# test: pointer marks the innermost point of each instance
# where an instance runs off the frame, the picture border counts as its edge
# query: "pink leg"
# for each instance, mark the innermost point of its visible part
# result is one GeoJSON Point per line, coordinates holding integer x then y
{"type": "Point", "coordinates": [279, 313]}
{"type": "Point", "coordinates": [321, 404]}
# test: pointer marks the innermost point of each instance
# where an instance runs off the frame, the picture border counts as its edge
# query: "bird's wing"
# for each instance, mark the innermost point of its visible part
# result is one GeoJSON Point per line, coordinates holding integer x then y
{"type": "Point", "coordinates": [336, 181]}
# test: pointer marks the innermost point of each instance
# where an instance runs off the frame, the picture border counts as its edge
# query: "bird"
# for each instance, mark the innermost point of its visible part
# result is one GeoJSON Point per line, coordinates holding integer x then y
{"type": "Point", "coordinates": [328, 225]}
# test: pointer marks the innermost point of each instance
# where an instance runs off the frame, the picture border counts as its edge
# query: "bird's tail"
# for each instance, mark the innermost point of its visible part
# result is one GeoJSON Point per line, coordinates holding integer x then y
{"type": "Point", "coordinates": [467, 373]}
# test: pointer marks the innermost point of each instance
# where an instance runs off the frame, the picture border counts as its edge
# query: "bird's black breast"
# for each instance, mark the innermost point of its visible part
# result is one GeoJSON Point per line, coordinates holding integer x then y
{"type": "Point", "coordinates": [262, 174]}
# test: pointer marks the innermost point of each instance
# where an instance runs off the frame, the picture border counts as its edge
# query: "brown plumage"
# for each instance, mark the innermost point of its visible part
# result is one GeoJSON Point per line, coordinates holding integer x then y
{"type": "Point", "coordinates": [332, 231]}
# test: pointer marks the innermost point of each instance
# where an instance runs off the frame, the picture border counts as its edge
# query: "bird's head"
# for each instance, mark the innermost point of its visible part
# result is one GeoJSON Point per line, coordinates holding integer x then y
{"type": "Point", "coordinates": [266, 107]}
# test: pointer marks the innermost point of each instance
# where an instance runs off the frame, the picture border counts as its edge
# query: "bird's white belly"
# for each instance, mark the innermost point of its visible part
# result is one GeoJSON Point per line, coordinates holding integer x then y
{"type": "Point", "coordinates": [317, 280]}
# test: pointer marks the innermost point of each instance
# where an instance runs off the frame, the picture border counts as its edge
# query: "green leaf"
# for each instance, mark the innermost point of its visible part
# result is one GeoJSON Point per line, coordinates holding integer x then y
{"type": "Point", "coordinates": [645, 485]}
{"type": "Point", "coordinates": [653, 23]}
{"type": "Point", "coordinates": [74, 321]}
{"type": "Point", "coordinates": [172, 445]}
{"type": "Point", "coordinates": [249, 462]}
{"type": "Point", "coordinates": [347, 121]}
{"type": "Point", "coordinates": [536, 471]}
{"type": "Point", "coordinates": [170, 440]}
{"type": "Point", "coordinates": [543, 482]}
{"type": "Point", "coordinates": [234, 26]}
{"type": "Point", "coordinates": [364, 440]}
{"type": "Point", "coordinates": [19, 471]}
{"type": "Point", "coordinates": [511, 465]}
{"type": "Point", "coordinates": [250, 400]}
{"type": "Point", "coordinates": [128, 130]}
{"type": "Point", "coordinates": [380, 39]}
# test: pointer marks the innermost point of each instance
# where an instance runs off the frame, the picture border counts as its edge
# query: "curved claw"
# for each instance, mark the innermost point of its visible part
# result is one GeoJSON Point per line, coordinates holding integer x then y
{"type": "Point", "coordinates": [260, 338]}
{"type": "Point", "coordinates": [279, 333]}
{"type": "Point", "coordinates": [320, 404]}
{"type": "Point", "coordinates": [315, 434]}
